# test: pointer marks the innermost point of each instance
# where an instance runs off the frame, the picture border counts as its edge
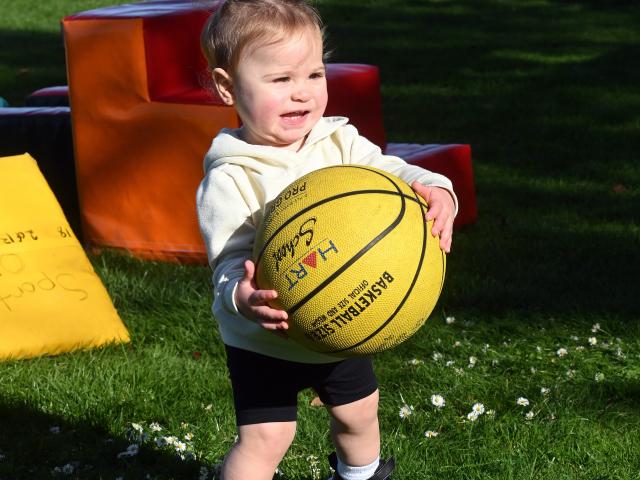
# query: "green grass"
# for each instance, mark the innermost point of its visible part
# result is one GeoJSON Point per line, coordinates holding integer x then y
{"type": "Point", "coordinates": [546, 94]}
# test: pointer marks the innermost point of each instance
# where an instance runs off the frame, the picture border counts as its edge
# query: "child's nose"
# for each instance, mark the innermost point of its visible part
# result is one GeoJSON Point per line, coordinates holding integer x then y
{"type": "Point", "coordinates": [301, 93]}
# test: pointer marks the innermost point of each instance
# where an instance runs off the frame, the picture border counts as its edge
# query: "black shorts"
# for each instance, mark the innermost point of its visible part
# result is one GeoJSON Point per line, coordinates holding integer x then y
{"type": "Point", "coordinates": [265, 389]}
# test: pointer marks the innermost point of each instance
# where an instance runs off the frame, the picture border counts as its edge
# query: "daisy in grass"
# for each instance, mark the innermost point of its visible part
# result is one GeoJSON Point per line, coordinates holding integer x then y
{"type": "Point", "coordinates": [406, 411]}
{"type": "Point", "coordinates": [155, 427]}
{"type": "Point", "coordinates": [593, 341]}
{"type": "Point", "coordinates": [131, 451]}
{"type": "Point", "coordinates": [529, 415]}
{"type": "Point", "coordinates": [438, 401]}
{"type": "Point", "coordinates": [414, 362]}
{"type": "Point", "coordinates": [595, 328]}
{"type": "Point", "coordinates": [562, 352]}
{"type": "Point", "coordinates": [523, 402]}
{"type": "Point", "coordinates": [431, 434]}
{"type": "Point", "coordinates": [472, 362]}
{"type": "Point", "coordinates": [437, 356]}
{"type": "Point", "coordinates": [544, 391]}
{"type": "Point", "coordinates": [450, 320]}
{"type": "Point", "coordinates": [478, 408]}
{"type": "Point", "coordinates": [472, 416]}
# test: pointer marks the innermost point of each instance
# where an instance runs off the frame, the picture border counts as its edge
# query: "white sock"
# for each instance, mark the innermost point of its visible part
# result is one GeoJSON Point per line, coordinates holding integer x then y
{"type": "Point", "coordinates": [347, 472]}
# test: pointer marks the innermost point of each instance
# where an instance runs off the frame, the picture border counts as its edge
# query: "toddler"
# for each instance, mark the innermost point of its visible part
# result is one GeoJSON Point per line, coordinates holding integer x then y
{"type": "Point", "coordinates": [267, 61]}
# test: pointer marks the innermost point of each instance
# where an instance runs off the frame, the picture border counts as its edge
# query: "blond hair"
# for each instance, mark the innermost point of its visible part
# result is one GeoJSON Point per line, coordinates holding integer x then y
{"type": "Point", "coordinates": [238, 24]}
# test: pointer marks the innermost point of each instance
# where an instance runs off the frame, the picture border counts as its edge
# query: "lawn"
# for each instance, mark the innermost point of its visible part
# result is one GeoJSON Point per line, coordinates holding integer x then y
{"type": "Point", "coordinates": [539, 320]}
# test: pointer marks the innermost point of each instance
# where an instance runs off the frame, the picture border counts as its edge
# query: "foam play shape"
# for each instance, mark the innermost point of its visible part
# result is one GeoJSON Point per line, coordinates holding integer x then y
{"type": "Point", "coordinates": [51, 300]}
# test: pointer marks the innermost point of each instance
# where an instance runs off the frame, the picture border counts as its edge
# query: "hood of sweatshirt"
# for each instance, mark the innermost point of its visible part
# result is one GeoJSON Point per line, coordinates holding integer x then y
{"type": "Point", "coordinates": [228, 148]}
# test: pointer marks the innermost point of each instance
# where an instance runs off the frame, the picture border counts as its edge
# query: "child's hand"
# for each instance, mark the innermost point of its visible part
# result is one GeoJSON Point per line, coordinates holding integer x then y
{"type": "Point", "coordinates": [253, 303]}
{"type": "Point", "coordinates": [441, 211]}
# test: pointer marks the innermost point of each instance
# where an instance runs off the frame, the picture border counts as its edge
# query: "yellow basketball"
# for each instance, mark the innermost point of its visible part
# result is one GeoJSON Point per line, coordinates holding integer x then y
{"type": "Point", "coordinates": [352, 259]}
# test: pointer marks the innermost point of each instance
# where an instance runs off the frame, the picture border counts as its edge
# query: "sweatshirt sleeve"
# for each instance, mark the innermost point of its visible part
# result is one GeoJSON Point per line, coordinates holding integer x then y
{"type": "Point", "coordinates": [364, 152]}
{"type": "Point", "coordinates": [227, 230]}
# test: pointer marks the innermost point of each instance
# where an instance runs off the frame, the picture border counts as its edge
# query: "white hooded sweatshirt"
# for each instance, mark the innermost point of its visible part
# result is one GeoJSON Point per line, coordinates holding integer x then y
{"type": "Point", "coordinates": [240, 179]}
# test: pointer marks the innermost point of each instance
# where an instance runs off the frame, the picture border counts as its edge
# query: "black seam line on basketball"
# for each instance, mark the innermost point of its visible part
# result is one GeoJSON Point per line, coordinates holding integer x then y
{"type": "Point", "coordinates": [311, 207]}
{"type": "Point", "coordinates": [354, 258]}
{"type": "Point", "coordinates": [425, 239]}
{"type": "Point", "coordinates": [345, 194]}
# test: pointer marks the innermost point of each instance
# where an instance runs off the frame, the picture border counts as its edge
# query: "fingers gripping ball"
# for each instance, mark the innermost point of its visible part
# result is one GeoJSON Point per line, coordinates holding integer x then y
{"type": "Point", "coordinates": [352, 259]}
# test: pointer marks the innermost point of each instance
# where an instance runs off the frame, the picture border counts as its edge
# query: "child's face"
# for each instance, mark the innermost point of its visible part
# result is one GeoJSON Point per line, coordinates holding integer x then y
{"type": "Point", "coordinates": [280, 90]}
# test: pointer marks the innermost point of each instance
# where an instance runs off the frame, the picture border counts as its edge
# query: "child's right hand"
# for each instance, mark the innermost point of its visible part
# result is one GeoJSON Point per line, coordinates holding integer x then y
{"type": "Point", "coordinates": [253, 303]}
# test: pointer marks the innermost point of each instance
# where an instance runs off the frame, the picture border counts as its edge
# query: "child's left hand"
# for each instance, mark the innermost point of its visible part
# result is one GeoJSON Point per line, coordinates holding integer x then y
{"type": "Point", "coordinates": [441, 211]}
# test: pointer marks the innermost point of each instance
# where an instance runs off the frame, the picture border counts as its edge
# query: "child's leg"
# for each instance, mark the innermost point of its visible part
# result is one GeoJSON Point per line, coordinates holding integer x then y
{"type": "Point", "coordinates": [258, 451]}
{"type": "Point", "coordinates": [355, 432]}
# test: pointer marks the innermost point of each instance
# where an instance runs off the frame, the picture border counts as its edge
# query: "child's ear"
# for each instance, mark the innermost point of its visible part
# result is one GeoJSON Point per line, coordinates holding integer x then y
{"type": "Point", "coordinates": [224, 85]}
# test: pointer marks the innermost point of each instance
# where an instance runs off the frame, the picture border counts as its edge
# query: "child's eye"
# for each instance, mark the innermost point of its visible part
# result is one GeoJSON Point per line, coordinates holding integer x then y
{"type": "Point", "coordinates": [281, 79]}
{"type": "Point", "coordinates": [316, 75]}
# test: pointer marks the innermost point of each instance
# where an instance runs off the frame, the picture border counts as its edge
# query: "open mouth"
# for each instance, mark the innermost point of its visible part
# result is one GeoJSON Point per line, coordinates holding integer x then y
{"type": "Point", "coordinates": [292, 116]}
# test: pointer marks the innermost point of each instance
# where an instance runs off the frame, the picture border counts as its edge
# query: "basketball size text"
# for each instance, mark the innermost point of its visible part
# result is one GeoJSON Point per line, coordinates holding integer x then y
{"type": "Point", "coordinates": [359, 306]}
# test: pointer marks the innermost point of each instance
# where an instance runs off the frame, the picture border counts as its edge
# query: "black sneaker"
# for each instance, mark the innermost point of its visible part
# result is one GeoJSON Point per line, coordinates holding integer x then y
{"type": "Point", "coordinates": [383, 472]}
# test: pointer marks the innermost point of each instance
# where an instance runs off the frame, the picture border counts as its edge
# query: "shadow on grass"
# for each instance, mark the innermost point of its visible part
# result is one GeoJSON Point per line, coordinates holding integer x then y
{"type": "Point", "coordinates": [29, 60]}
{"type": "Point", "coordinates": [35, 445]}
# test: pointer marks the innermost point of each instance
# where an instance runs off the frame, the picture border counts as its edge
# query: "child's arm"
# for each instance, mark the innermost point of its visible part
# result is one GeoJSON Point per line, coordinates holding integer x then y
{"type": "Point", "coordinates": [254, 303]}
{"type": "Point", "coordinates": [441, 211]}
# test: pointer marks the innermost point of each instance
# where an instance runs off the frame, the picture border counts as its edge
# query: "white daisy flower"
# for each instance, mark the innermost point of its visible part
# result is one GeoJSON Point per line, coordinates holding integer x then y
{"type": "Point", "coordinates": [529, 415]}
{"type": "Point", "coordinates": [472, 362]}
{"type": "Point", "coordinates": [131, 451]}
{"type": "Point", "coordinates": [478, 408]}
{"type": "Point", "coordinates": [450, 363]}
{"type": "Point", "coordinates": [485, 348]}
{"type": "Point", "coordinates": [595, 328]}
{"type": "Point", "coordinates": [457, 344]}
{"type": "Point", "coordinates": [561, 352]}
{"type": "Point", "coordinates": [406, 411]}
{"type": "Point", "coordinates": [579, 348]}
{"type": "Point", "coordinates": [438, 401]}
{"type": "Point", "coordinates": [155, 427]}
{"type": "Point", "coordinates": [459, 371]}
{"type": "Point", "coordinates": [431, 434]}
{"type": "Point", "coordinates": [415, 361]}
{"type": "Point", "coordinates": [188, 437]}
{"type": "Point", "coordinates": [593, 341]}
{"type": "Point", "coordinates": [599, 377]}
{"type": "Point", "coordinates": [571, 373]}
{"type": "Point", "coordinates": [437, 356]}
{"type": "Point", "coordinates": [137, 427]}
{"type": "Point", "coordinates": [522, 402]}
{"type": "Point", "coordinates": [180, 446]}
{"type": "Point", "coordinates": [472, 416]}
{"type": "Point", "coordinates": [544, 391]}
{"type": "Point", "coordinates": [450, 320]}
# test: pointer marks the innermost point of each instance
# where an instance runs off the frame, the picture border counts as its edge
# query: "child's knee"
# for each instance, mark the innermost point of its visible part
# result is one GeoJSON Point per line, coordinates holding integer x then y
{"type": "Point", "coordinates": [269, 438]}
{"type": "Point", "coordinates": [358, 415]}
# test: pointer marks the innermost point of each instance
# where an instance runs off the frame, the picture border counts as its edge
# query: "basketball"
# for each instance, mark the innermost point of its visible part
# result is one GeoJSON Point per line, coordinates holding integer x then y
{"type": "Point", "coordinates": [353, 261]}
